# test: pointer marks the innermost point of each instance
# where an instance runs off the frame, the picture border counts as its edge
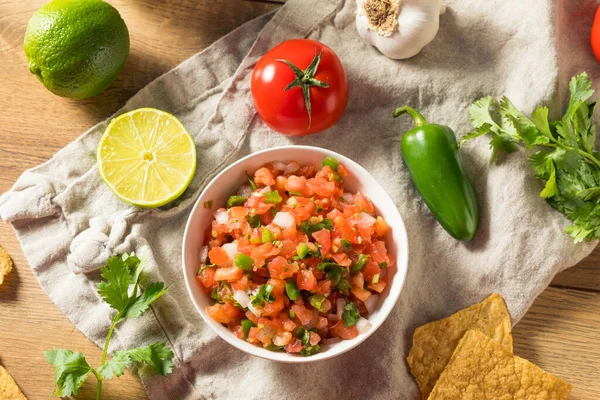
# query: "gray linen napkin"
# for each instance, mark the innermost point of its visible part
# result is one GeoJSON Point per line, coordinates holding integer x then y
{"type": "Point", "coordinates": [68, 222]}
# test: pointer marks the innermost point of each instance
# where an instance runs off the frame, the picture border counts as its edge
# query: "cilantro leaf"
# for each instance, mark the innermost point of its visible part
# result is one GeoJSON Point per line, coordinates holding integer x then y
{"type": "Point", "coordinates": [118, 275]}
{"type": "Point", "coordinates": [70, 371]}
{"type": "Point", "coordinates": [309, 228]}
{"type": "Point", "coordinates": [565, 159]}
{"type": "Point", "coordinates": [264, 294]}
{"type": "Point", "coordinates": [157, 356]}
{"type": "Point", "coordinates": [116, 366]}
{"type": "Point", "coordinates": [350, 316]}
{"type": "Point", "coordinates": [139, 304]}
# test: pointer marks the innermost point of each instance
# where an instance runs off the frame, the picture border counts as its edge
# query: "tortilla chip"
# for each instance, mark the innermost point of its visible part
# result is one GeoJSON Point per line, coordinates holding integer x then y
{"type": "Point", "coordinates": [481, 368]}
{"type": "Point", "coordinates": [5, 264]}
{"type": "Point", "coordinates": [8, 388]}
{"type": "Point", "coordinates": [434, 343]}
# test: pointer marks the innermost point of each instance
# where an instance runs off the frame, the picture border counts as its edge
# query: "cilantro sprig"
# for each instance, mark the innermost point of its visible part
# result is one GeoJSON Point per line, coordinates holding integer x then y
{"type": "Point", "coordinates": [565, 156]}
{"type": "Point", "coordinates": [121, 290]}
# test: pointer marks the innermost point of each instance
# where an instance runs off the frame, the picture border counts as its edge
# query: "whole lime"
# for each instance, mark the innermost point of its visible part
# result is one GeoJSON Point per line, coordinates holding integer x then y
{"type": "Point", "coordinates": [76, 47]}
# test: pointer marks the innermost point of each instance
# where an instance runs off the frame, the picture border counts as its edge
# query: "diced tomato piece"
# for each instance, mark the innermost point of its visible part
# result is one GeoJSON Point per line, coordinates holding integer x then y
{"type": "Point", "coordinates": [280, 182]}
{"type": "Point", "coordinates": [361, 294]}
{"type": "Point", "coordinates": [303, 314]}
{"type": "Point", "coordinates": [289, 325]}
{"type": "Point", "coordinates": [219, 256]}
{"type": "Point", "coordinates": [237, 213]}
{"type": "Point", "coordinates": [342, 171]}
{"type": "Point", "coordinates": [257, 205]}
{"type": "Point", "coordinates": [274, 308]}
{"type": "Point", "coordinates": [245, 246]}
{"type": "Point", "coordinates": [358, 280]}
{"type": "Point", "coordinates": [323, 287]}
{"type": "Point", "coordinates": [264, 177]}
{"type": "Point", "coordinates": [264, 251]}
{"type": "Point", "coordinates": [287, 249]}
{"type": "Point", "coordinates": [297, 184]}
{"type": "Point", "coordinates": [266, 218]}
{"type": "Point", "coordinates": [252, 335]}
{"type": "Point", "coordinates": [206, 277]}
{"type": "Point", "coordinates": [342, 259]}
{"type": "Point", "coordinates": [241, 284]}
{"type": "Point", "coordinates": [371, 270]}
{"type": "Point", "coordinates": [306, 280]}
{"type": "Point", "coordinates": [379, 286]}
{"type": "Point", "coordinates": [363, 203]}
{"type": "Point", "coordinates": [324, 238]}
{"type": "Point", "coordinates": [381, 227]}
{"type": "Point", "coordinates": [340, 330]}
{"type": "Point", "coordinates": [290, 233]}
{"type": "Point", "coordinates": [227, 313]}
{"type": "Point", "coordinates": [345, 228]}
{"type": "Point", "coordinates": [238, 331]}
{"type": "Point", "coordinates": [278, 286]}
{"type": "Point", "coordinates": [378, 252]}
{"type": "Point", "coordinates": [279, 268]}
{"type": "Point", "coordinates": [294, 347]}
{"type": "Point", "coordinates": [250, 315]}
{"type": "Point", "coordinates": [314, 338]}
{"type": "Point", "coordinates": [320, 187]}
{"type": "Point", "coordinates": [229, 274]}
{"type": "Point", "coordinates": [322, 323]}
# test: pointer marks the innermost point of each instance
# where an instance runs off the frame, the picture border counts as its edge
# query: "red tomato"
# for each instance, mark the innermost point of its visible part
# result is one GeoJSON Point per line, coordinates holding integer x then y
{"type": "Point", "coordinates": [284, 110]}
{"type": "Point", "coordinates": [595, 35]}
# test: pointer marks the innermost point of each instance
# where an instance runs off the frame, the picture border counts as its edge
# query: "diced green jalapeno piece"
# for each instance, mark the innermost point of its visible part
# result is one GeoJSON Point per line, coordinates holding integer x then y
{"type": "Point", "coordinates": [243, 261]}
{"type": "Point", "coordinates": [360, 264]}
{"type": "Point", "coordinates": [253, 220]}
{"type": "Point", "coordinates": [267, 235]}
{"type": "Point", "coordinates": [273, 197]}
{"type": "Point", "coordinates": [317, 300]}
{"type": "Point", "coordinates": [331, 162]}
{"type": "Point", "coordinates": [292, 291]}
{"type": "Point", "coordinates": [236, 201]}
{"type": "Point", "coordinates": [302, 250]}
{"type": "Point", "coordinates": [246, 325]}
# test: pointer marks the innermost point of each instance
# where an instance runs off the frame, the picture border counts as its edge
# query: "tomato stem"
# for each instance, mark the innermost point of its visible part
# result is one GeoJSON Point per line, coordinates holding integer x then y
{"type": "Point", "coordinates": [305, 80]}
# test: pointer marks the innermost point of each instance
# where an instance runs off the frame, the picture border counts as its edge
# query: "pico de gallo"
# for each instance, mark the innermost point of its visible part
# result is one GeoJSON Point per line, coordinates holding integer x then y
{"type": "Point", "coordinates": [294, 259]}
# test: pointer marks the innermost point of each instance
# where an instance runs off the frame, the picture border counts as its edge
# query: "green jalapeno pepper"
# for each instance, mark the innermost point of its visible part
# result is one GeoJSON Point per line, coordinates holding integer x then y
{"type": "Point", "coordinates": [436, 168]}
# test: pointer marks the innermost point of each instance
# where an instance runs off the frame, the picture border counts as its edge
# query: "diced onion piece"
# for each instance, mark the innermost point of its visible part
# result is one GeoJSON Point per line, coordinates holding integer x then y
{"type": "Point", "coordinates": [292, 202]}
{"type": "Point", "coordinates": [366, 220]}
{"type": "Point", "coordinates": [231, 249]}
{"type": "Point", "coordinates": [242, 298]}
{"type": "Point", "coordinates": [279, 165]}
{"type": "Point", "coordinates": [284, 220]}
{"type": "Point", "coordinates": [340, 304]}
{"type": "Point", "coordinates": [221, 216]}
{"type": "Point", "coordinates": [291, 168]}
{"type": "Point", "coordinates": [203, 254]}
{"type": "Point", "coordinates": [363, 325]}
{"type": "Point", "coordinates": [256, 311]}
{"type": "Point", "coordinates": [245, 190]}
{"type": "Point", "coordinates": [349, 197]}
{"type": "Point", "coordinates": [371, 303]}
{"type": "Point", "coordinates": [264, 190]}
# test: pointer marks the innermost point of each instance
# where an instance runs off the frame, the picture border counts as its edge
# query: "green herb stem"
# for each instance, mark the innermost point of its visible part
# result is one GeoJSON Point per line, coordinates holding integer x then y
{"type": "Point", "coordinates": [581, 152]}
{"type": "Point", "coordinates": [104, 354]}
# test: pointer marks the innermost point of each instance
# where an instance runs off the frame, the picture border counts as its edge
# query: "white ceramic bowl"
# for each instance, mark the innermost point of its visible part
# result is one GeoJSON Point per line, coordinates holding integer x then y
{"type": "Point", "coordinates": [227, 183]}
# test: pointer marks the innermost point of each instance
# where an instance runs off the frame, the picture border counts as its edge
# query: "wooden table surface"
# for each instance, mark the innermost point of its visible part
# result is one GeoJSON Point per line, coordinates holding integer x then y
{"type": "Point", "coordinates": [561, 332]}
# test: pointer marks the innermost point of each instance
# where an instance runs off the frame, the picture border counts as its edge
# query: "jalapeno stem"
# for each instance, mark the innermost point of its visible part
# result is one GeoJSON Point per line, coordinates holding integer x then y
{"type": "Point", "coordinates": [417, 117]}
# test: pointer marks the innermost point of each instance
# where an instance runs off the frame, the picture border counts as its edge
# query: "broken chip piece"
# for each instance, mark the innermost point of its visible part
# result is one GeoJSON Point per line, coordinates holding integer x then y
{"type": "Point", "coordinates": [434, 343]}
{"type": "Point", "coordinates": [481, 368]}
{"type": "Point", "coordinates": [8, 387]}
{"type": "Point", "coordinates": [5, 264]}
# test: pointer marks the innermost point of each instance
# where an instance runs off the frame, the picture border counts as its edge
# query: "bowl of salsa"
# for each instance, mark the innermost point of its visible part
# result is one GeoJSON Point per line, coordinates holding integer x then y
{"type": "Point", "coordinates": [294, 254]}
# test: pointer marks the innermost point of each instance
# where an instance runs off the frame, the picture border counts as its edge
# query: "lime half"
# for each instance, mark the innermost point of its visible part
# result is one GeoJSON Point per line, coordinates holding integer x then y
{"type": "Point", "coordinates": [146, 157]}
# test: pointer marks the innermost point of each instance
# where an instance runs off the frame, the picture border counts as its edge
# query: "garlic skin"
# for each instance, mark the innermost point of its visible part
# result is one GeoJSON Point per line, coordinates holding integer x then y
{"type": "Point", "coordinates": [418, 23]}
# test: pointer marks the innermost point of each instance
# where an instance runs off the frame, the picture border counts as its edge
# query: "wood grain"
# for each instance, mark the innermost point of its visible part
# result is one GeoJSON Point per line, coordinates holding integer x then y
{"type": "Point", "coordinates": [560, 333]}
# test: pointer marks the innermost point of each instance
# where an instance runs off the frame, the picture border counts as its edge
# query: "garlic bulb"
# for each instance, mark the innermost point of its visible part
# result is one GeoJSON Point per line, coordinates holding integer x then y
{"type": "Point", "coordinates": [398, 28]}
